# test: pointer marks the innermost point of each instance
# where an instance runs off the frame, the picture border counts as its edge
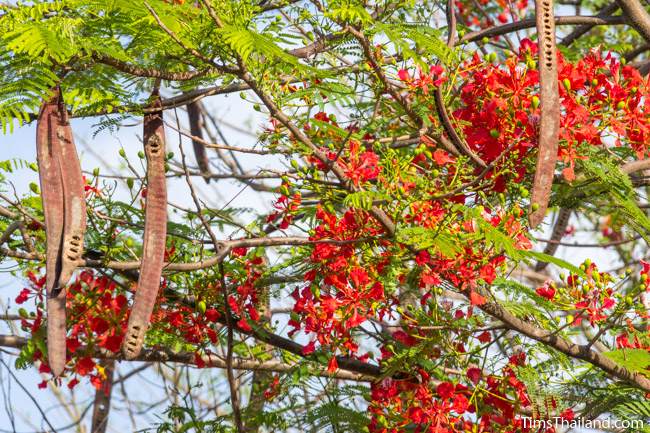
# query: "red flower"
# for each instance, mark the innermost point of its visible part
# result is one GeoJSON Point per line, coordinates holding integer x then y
{"type": "Point", "coordinates": [546, 291]}
{"type": "Point", "coordinates": [243, 325]}
{"type": "Point", "coordinates": [23, 296]}
{"type": "Point", "coordinates": [211, 315]}
{"type": "Point", "coordinates": [84, 366]}
{"type": "Point", "coordinates": [309, 348]}
{"type": "Point", "coordinates": [333, 365]}
{"type": "Point", "coordinates": [441, 157]}
{"type": "Point", "coordinates": [476, 299]}
{"type": "Point", "coordinates": [474, 374]}
{"type": "Point", "coordinates": [445, 390]}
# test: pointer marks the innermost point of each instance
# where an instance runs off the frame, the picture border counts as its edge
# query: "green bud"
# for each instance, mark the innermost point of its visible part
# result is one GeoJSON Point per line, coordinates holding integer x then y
{"type": "Point", "coordinates": [201, 306]}
{"type": "Point", "coordinates": [569, 318]}
{"type": "Point", "coordinates": [594, 82]}
{"type": "Point", "coordinates": [34, 188]}
{"type": "Point", "coordinates": [129, 242]}
{"type": "Point", "coordinates": [242, 95]}
{"type": "Point", "coordinates": [140, 154]}
{"type": "Point", "coordinates": [122, 153]}
{"type": "Point", "coordinates": [620, 105]}
{"type": "Point", "coordinates": [170, 155]}
{"type": "Point", "coordinates": [567, 84]}
{"type": "Point", "coordinates": [524, 192]}
{"type": "Point", "coordinates": [167, 167]}
{"type": "Point", "coordinates": [535, 206]}
{"type": "Point", "coordinates": [629, 300]}
{"type": "Point", "coordinates": [96, 171]}
{"type": "Point", "coordinates": [485, 40]}
{"type": "Point", "coordinates": [257, 107]}
{"type": "Point", "coordinates": [129, 182]}
{"type": "Point", "coordinates": [23, 313]}
{"type": "Point", "coordinates": [295, 164]}
{"type": "Point", "coordinates": [494, 133]}
{"type": "Point", "coordinates": [34, 166]}
{"type": "Point", "coordinates": [535, 102]}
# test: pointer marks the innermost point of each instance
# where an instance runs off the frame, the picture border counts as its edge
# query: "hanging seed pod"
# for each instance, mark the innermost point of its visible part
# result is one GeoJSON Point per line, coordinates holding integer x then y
{"type": "Point", "coordinates": [559, 229]}
{"type": "Point", "coordinates": [73, 199]}
{"type": "Point", "coordinates": [155, 231]}
{"type": "Point", "coordinates": [48, 152]}
{"type": "Point", "coordinates": [196, 129]}
{"type": "Point", "coordinates": [549, 125]}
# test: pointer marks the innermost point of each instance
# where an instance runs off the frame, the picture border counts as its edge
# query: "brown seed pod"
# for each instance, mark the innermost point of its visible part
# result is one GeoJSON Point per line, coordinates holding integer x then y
{"type": "Point", "coordinates": [73, 199]}
{"type": "Point", "coordinates": [549, 125]}
{"type": "Point", "coordinates": [559, 229]}
{"type": "Point", "coordinates": [48, 152]}
{"type": "Point", "coordinates": [196, 129]}
{"type": "Point", "coordinates": [155, 231]}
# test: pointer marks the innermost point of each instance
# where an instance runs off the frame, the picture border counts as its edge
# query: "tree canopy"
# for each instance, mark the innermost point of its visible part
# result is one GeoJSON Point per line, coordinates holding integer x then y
{"type": "Point", "coordinates": [445, 226]}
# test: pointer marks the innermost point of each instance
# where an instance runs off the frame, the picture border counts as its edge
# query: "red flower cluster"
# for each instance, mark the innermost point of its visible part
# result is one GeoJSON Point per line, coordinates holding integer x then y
{"type": "Point", "coordinates": [593, 296]}
{"type": "Point", "coordinates": [346, 294]}
{"type": "Point", "coordinates": [359, 164]}
{"type": "Point", "coordinates": [98, 315]}
{"type": "Point", "coordinates": [599, 99]}
{"type": "Point", "coordinates": [286, 208]}
{"type": "Point", "coordinates": [426, 405]}
{"type": "Point", "coordinates": [424, 80]}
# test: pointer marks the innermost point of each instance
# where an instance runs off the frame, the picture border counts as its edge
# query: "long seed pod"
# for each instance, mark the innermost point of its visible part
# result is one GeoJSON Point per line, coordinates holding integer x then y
{"type": "Point", "coordinates": [73, 199]}
{"type": "Point", "coordinates": [196, 129]}
{"type": "Point", "coordinates": [155, 231]}
{"type": "Point", "coordinates": [549, 125]}
{"type": "Point", "coordinates": [562, 222]}
{"type": "Point", "coordinates": [48, 151]}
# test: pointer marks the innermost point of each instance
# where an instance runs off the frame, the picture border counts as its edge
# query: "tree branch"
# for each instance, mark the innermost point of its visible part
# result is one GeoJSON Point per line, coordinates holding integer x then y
{"type": "Point", "coordinates": [210, 360]}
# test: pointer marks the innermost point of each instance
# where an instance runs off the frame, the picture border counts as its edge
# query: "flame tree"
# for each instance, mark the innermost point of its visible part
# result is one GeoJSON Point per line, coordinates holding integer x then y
{"type": "Point", "coordinates": [422, 181]}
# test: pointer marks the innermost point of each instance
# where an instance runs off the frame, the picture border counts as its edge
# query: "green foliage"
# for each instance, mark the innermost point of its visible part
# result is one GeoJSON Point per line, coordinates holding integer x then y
{"type": "Point", "coordinates": [632, 359]}
{"type": "Point", "coordinates": [423, 238]}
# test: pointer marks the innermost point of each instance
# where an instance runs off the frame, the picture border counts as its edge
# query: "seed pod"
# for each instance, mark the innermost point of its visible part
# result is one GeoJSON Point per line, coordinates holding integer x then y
{"type": "Point", "coordinates": [48, 151]}
{"type": "Point", "coordinates": [549, 125]}
{"type": "Point", "coordinates": [196, 129]}
{"type": "Point", "coordinates": [559, 229]}
{"type": "Point", "coordinates": [155, 231]}
{"type": "Point", "coordinates": [74, 202]}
